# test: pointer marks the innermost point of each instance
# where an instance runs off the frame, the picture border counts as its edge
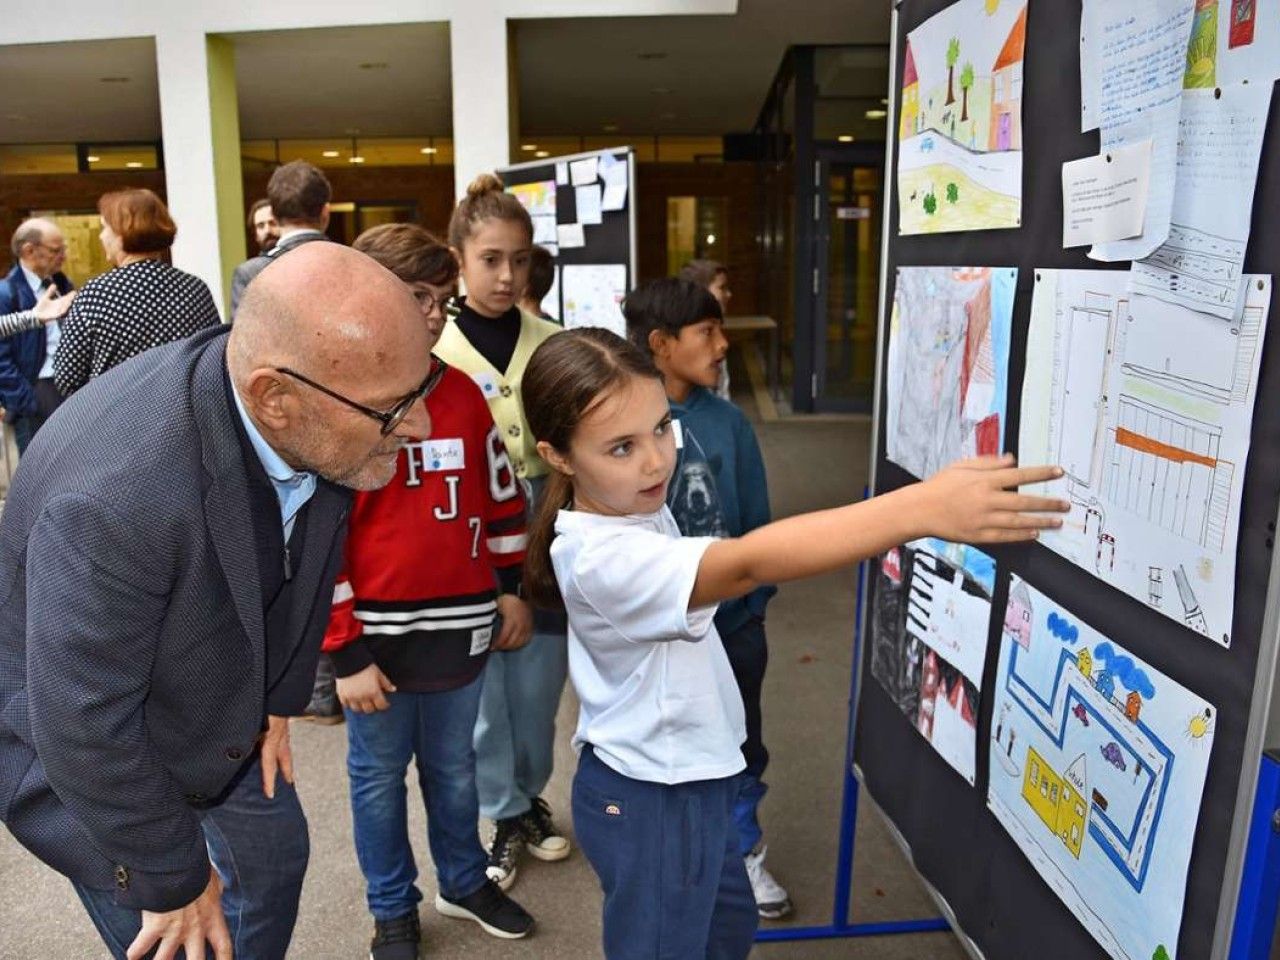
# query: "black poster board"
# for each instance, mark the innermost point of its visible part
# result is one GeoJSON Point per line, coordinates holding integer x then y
{"type": "Point", "coordinates": [612, 241]}
{"type": "Point", "coordinates": [993, 893]}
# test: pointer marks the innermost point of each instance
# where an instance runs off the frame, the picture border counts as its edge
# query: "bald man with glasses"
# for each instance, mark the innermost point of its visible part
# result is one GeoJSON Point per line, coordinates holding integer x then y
{"type": "Point", "coordinates": [27, 391]}
{"type": "Point", "coordinates": [168, 557]}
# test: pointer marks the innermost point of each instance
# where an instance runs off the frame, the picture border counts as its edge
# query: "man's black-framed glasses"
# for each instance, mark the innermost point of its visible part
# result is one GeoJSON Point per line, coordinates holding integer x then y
{"type": "Point", "coordinates": [390, 419]}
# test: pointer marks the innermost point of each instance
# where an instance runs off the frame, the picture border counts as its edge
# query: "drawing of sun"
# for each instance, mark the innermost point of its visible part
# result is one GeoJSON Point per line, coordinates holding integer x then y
{"type": "Point", "coordinates": [1199, 725]}
{"type": "Point", "coordinates": [992, 7]}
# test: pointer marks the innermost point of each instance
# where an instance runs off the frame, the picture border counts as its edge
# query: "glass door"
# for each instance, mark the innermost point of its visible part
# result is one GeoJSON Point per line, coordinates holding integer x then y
{"type": "Point", "coordinates": [847, 280]}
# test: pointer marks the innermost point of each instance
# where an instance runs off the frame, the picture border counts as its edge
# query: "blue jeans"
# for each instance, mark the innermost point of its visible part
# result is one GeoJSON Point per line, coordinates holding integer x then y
{"type": "Point", "coordinates": [516, 731]}
{"type": "Point", "coordinates": [749, 657]}
{"type": "Point", "coordinates": [259, 848]}
{"type": "Point", "coordinates": [675, 885]}
{"type": "Point", "coordinates": [434, 729]}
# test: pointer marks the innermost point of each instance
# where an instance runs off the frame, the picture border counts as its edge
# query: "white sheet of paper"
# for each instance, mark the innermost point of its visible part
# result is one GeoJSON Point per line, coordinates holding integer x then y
{"type": "Point", "coordinates": [588, 204]}
{"type": "Point", "coordinates": [544, 229]}
{"type": "Point", "coordinates": [593, 294]}
{"type": "Point", "coordinates": [562, 174]}
{"type": "Point", "coordinates": [1250, 48]}
{"type": "Point", "coordinates": [615, 197]}
{"type": "Point", "coordinates": [1201, 265]}
{"type": "Point", "coordinates": [613, 171]}
{"type": "Point", "coordinates": [584, 171]}
{"type": "Point", "coordinates": [570, 236]}
{"type": "Point", "coordinates": [1105, 197]}
{"type": "Point", "coordinates": [1097, 769]}
{"type": "Point", "coordinates": [1138, 54]}
{"type": "Point", "coordinates": [1148, 406]}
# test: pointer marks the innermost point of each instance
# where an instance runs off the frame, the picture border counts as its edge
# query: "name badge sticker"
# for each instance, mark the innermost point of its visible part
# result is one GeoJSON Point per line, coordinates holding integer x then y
{"type": "Point", "coordinates": [487, 383]}
{"type": "Point", "coordinates": [447, 454]}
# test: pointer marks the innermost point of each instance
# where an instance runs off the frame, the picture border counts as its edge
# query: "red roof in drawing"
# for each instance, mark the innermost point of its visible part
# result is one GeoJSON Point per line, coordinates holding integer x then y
{"type": "Point", "coordinates": [1013, 48]}
{"type": "Point", "coordinates": [909, 74]}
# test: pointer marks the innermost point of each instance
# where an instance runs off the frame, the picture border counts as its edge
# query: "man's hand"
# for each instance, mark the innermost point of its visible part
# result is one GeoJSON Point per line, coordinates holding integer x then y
{"type": "Point", "coordinates": [365, 692]}
{"type": "Point", "coordinates": [186, 928]}
{"type": "Point", "coordinates": [517, 623]}
{"type": "Point", "coordinates": [276, 755]}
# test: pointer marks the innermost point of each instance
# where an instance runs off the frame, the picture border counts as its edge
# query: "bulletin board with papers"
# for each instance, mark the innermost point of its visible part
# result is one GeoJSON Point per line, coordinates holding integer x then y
{"type": "Point", "coordinates": [1066, 735]}
{"type": "Point", "coordinates": [583, 211]}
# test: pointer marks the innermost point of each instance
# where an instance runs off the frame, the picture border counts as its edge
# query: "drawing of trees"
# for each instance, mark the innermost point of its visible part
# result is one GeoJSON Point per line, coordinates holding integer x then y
{"type": "Point", "coordinates": [966, 81]}
{"type": "Point", "coordinates": [1160, 954]}
{"type": "Point", "coordinates": [953, 193]}
{"type": "Point", "coordinates": [930, 203]}
{"type": "Point", "coordinates": [953, 55]}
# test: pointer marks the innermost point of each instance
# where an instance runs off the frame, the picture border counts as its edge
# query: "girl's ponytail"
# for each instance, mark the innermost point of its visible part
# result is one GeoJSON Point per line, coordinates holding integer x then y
{"type": "Point", "coordinates": [540, 584]}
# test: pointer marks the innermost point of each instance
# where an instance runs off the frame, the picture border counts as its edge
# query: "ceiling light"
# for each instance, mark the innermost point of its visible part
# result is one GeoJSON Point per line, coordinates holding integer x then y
{"type": "Point", "coordinates": [16, 117]}
{"type": "Point", "coordinates": [884, 101]}
{"type": "Point", "coordinates": [877, 114]}
{"type": "Point", "coordinates": [427, 150]}
{"type": "Point", "coordinates": [113, 79]}
{"type": "Point", "coordinates": [542, 153]}
{"type": "Point", "coordinates": [652, 55]}
{"type": "Point", "coordinates": [93, 159]}
{"type": "Point", "coordinates": [660, 91]}
{"type": "Point", "coordinates": [374, 65]}
{"type": "Point", "coordinates": [355, 160]}
{"type": "Point", "coordinates": [845, 138]}
{"type": "Point", "coordinates": [711, 239]}
{"type": "Point", "coordinates": [528, 147]}
{"type": "Point", "coordinates": [610, 128]}
{"type": "Point", "coordinates": [330, 153]}
{"type": "Point", "coordinates": [134, 165]}
{"type": "Point", "coordinates": [666, 116]}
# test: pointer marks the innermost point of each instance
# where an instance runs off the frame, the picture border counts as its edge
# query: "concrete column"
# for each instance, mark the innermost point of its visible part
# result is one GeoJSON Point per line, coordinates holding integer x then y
{"type": "Point", "coordinates": [201, 134]}
{"type": "Point", "coordinates": [481, 92]}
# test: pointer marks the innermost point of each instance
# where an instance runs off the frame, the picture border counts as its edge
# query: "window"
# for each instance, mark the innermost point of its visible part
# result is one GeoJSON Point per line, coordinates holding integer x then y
{"type": "Point", "coordinates": [1017, 82]}
{"type": "Point", "coordinates": [121, 156]}
{"type": "Point", "coordinates": [696, 229]}
{"type": "Point", "coordinates": [20, 158]}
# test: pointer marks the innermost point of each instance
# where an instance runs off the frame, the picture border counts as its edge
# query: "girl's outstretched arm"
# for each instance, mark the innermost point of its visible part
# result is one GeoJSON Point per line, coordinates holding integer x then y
{"type": "Point", "coordinates": [973, 501]}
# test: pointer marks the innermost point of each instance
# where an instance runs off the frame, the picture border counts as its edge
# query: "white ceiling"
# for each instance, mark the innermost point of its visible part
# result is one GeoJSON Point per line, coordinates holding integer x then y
{"type": "Point", "coordinates": [575, 76]}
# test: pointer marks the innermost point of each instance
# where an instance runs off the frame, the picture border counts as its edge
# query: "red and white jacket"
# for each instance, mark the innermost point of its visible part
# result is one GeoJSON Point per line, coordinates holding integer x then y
{"type": "Point", "coordinates": [426, 554]}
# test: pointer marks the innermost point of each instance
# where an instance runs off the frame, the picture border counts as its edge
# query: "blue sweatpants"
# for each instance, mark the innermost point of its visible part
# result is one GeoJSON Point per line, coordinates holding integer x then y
{"type": "Point", "coordinates": [675, 885]}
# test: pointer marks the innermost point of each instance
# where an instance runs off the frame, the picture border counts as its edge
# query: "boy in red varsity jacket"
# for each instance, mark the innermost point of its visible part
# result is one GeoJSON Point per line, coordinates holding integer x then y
{"type": "Point", "coordinates": [430, 584]}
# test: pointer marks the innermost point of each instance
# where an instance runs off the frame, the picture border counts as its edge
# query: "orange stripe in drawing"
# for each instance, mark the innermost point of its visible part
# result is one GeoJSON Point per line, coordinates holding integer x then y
{"type": "Point", "coordinates": [1136, 441]}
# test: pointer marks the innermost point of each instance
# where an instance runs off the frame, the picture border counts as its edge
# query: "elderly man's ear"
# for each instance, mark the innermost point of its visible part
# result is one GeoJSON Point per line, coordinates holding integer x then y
{"type": "Point", "coordinates": [269, 397]}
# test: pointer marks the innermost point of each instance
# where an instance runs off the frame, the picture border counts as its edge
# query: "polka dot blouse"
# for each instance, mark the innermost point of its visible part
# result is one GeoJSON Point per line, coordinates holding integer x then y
{"type": "Point", "coordinates": [124, 312]}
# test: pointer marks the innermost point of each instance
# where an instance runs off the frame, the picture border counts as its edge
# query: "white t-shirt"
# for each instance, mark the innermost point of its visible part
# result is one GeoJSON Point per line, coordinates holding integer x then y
{"type": "Point", "coordinates": [659, 702]}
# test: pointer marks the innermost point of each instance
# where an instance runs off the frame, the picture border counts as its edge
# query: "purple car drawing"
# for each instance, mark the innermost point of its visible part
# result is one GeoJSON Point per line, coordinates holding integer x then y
{"type": "Point", "coordinates": [1111, 754]}
{"type": "Point", "coordinates": [1081, 714]}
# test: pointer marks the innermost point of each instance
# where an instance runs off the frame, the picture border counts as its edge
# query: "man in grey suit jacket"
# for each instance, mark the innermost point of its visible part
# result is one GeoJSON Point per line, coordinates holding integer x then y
{"type": "Point", "coordinates": [167, 557]}
{"type": "Point", "coordinates": [299, 194]}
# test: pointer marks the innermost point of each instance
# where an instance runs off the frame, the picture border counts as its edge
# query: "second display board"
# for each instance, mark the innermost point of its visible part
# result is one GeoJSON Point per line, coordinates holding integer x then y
{"type": "Point", "coordinates": [1058, 730]}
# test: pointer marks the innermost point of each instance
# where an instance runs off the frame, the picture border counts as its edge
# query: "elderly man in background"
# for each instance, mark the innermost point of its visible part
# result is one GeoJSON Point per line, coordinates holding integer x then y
{"type": "Point", "coordinates": [27, 391]}
{"type": "Point", "coordinates": [167, 560]}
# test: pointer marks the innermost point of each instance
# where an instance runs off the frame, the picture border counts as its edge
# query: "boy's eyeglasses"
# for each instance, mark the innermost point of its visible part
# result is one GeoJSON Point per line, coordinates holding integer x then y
{"type": "Point", "coordinates": [392, 418]}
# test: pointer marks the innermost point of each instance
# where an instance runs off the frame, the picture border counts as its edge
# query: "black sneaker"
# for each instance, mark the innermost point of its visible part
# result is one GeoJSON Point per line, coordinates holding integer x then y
{"type": "Point", "coordinates": [540, 835]}
{"type": "Point", "coordinates": [497, 913]}
{"type": "Point", "coordinates": [504, 851]}
{"type": "Point", "coordinates": [396, 939]}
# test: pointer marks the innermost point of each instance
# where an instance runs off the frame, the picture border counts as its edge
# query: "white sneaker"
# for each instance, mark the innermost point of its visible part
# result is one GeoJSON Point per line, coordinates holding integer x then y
{"type": "Point", "coordinates": [772, 902]}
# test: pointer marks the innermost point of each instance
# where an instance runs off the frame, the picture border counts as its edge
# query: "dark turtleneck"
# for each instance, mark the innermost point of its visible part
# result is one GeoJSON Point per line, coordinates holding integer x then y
{"type": "Point", "coordinates": [494, 337]}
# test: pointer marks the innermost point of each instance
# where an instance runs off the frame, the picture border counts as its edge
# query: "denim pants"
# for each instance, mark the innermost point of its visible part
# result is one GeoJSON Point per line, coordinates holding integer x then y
{"type": "Point", "coordinates": [675, 885]}
{"type": "Point", "coordinates": [515, 735]}
{"type": "Point", "coordinates": [259, 848]}
{"type": "Point", "coordinates": [434, 730]}
{"type": "Point", "coordinates": [748, 657]}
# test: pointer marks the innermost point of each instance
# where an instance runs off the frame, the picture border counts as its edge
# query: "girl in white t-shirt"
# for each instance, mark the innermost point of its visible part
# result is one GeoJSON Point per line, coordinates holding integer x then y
{"type": "Point", "coordinates": [661, 720]}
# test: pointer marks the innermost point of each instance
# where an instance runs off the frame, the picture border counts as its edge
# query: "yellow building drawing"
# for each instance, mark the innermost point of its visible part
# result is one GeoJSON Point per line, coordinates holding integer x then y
{"type": "Point", "coordinates": [1084, 660]}
{"type": "Point", "coordinates": [1058, 800]}
{"type": "Point", "coordinates": [910, 125]}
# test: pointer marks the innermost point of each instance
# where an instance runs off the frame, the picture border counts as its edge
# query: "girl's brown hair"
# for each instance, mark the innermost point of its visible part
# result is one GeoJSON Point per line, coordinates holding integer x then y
{"type": "Point", "coordinates": [567, 377]}
{"type": "Point", "coordinates": [485, 200]}
{"type": "Point", "coordinates": [411, 252]}
{"type": "Point", "coordinates": [139, 218]}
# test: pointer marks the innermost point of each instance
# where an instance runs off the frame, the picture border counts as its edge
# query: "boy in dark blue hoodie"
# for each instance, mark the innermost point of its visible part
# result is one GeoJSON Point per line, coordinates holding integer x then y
{"type": "Point", "coordinates": [719, 489]}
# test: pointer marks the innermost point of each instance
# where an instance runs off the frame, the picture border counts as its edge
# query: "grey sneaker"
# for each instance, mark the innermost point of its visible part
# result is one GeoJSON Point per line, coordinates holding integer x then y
{"type": "Point", "coordinates": [772, 902]}
{"type": "Point", "coordinates": [504, 852]}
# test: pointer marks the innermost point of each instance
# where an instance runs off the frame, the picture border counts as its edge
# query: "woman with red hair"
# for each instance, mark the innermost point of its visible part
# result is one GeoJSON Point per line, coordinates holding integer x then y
{"type": "Point", "coordinates": [141, 303]}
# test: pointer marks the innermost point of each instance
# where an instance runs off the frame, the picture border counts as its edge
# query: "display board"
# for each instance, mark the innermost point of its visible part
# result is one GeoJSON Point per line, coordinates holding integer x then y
{"type": "Point", "coordinates": [1118, 718]}
{"type": "Point", "coordinates": [583, 210]}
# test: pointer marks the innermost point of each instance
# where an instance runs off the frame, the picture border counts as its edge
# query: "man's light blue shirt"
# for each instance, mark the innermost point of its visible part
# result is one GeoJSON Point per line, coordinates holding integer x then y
{"type": "Point", "coordinates": [293, 487]}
